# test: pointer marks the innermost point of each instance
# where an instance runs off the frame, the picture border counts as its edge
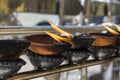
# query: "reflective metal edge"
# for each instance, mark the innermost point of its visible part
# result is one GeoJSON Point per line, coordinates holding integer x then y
{"type": "Point", "coordinates": [13, 31]}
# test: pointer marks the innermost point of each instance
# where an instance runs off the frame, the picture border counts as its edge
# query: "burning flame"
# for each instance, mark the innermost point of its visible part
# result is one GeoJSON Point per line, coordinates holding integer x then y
{"type": "Point", "coordinates": [118, 27]}
{"type": "Point", "coordinates": [111, 30]}
{"type": "Point", "coordinates": [59, 39]}
{"type": "Point", "coordinates": [60, 30]}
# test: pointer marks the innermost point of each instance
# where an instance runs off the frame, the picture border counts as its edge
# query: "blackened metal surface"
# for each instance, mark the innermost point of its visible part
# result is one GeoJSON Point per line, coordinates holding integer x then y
{"type": "Point", "coordinates": [45, 62]}
{"type": "Point", "coordinates": [9, 68]}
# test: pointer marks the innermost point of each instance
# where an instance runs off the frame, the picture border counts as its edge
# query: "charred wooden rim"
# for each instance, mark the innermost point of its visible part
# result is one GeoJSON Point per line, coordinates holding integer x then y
{"type": "Point", "coordinates": [103, 39]}
{"type": "Point", "coordinates": [12, 49]}
{"type": "Point", "coordinates": [14, 41]}
{"type": "Point", "coordinates": [44, 39]}
{"type": "Point", "coordinates": [46, 45]}
{"type": "Point", "coordinates": [82, 41]}
{"type": "Point", "coordinates": [102, 34]}
{"type": "Point", "coordinates": [18, 62]}
{"type": "Point", "coordinates": [88, 37]}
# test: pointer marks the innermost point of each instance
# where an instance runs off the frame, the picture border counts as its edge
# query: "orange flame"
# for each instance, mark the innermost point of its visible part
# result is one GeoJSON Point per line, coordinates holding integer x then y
{"type": "Point", "coordinates": [118, 27]}
{"type": "Point", "coordinates": [111, 30]}
{"type": "Point", "coordinates": [59, 39]}
{"type": "Point", "coordinates": [60, 30]}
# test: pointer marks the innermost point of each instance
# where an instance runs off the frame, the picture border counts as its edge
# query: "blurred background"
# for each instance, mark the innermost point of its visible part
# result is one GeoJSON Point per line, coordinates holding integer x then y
{"type": "Point", "coordinates": [65, 13]}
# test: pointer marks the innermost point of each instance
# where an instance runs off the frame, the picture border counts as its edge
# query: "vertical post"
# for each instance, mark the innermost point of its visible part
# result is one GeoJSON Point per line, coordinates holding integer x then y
{"type": "Point", "coordinates": [116, 70]}
{"type": "Point", "coordinates": [84, 73]}
{"type": "Point", "coordinates": [61, 11]}
{"type": "Point", "coordinates": [87, 11]}
{"type": "Point", "coordinates": [109, 11]}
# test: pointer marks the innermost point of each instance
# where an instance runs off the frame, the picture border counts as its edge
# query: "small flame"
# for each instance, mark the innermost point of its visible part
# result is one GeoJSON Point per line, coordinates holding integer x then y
{"type": "Point", "coordinates": [111, 30]}
{"type": "Point", "coordinates": [60, 30]}
{"type": "Point", "coordinates": [59, 39]}
{"type": "Point", "coordinates": [118, 27]}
